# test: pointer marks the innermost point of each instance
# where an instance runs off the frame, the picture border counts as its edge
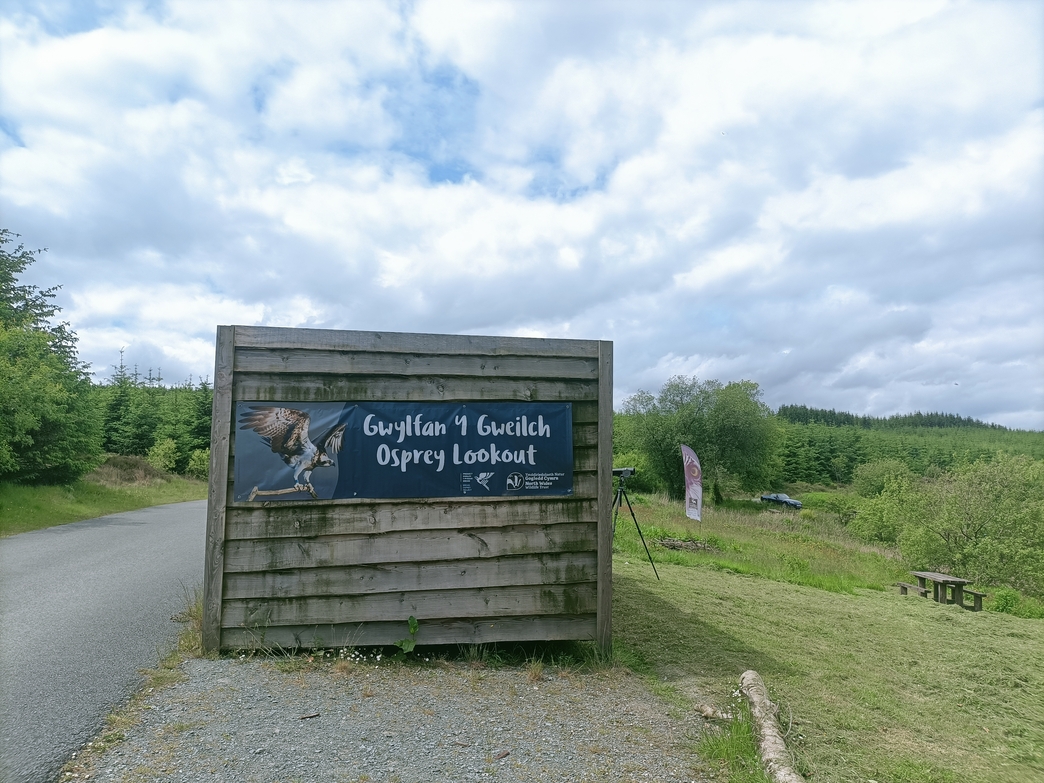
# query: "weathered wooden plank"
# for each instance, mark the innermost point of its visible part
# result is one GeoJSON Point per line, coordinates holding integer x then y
{"type": "Point", "coordinates": [585, 416]}
{"type": "Point", "coordinates": [512, 601]}
{"type": "Point", "coordinates": [412, 545]}
{"type": "Point", "coordinates": [310, 520]}
{"type": "Point", "coordinates": [585, 485]}
{"type": "Point", "coordinates": [431, 632]}
{"type": "Point", "coordinates": [405, 342]}
{"type": "Point", "coordinates": [585, 411]}
{"type": "Point", "coordinates": [557, 568]}
{"type": "Point", "coordinates": [585, 435]}
{"type": "Point", "coordinates": [273, 387]}
{"type": "Point", "coordinates": [221, 415]}
{"type": "Point", "coordinates": [605, 495]}
{"type": "Point", "coordinates": [320, 362]}
{"type": "Point", "coordinates": [585, 459]}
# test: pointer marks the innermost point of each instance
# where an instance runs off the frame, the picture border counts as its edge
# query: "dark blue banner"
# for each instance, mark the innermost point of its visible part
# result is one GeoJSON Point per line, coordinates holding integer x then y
{"type": "Point", "coordinates": [297, 451]}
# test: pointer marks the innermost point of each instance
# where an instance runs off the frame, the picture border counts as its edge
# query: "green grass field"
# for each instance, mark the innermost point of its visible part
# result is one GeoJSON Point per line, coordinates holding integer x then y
{"type": "Point", "coordinates": [872, 686]}
{"type": "Point", "coordinates": [122, 484]}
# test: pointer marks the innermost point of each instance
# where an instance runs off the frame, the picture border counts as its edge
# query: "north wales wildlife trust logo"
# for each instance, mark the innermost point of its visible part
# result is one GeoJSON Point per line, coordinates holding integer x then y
{"type": "Point", "coordinates": [514, 482]}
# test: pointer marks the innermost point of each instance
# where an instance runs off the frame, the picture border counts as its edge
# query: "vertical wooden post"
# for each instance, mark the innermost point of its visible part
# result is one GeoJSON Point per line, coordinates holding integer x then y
{"type": "Point", "coordinates": [221, 420]}
{"type": "Point", "coordinates": [604, 620]}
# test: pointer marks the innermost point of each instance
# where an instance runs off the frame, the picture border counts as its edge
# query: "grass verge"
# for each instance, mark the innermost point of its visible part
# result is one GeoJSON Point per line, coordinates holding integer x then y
{"type": "Point", "coordinates": [189, 645]}
{"type": "Point", "coordinates": [121, 484]}
{"type": "Point", "coordinates": [734, 747]}
{"type": "Point", "coordinates": [880, 687]}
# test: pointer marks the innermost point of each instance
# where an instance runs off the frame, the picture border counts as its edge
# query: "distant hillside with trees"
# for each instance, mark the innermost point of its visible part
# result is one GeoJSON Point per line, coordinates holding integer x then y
{"type": "Point", "coordinates": [747, 447]}
{"type": "Point", "coordinates": [825, 454]}
{"type": "Point", "coordinates": [801, 414]}
{"type": "Point", "coordinates": [168, 425]}
{"type": "Point", "coordinates": [951, 493]}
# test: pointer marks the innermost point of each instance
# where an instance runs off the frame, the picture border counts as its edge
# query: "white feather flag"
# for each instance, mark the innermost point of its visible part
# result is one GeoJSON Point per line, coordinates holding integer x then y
{"type": "Point", "coordinates": [693, 484]}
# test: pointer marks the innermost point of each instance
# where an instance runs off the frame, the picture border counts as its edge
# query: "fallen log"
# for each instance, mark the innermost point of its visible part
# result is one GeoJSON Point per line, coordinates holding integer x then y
{"type": "Point", "coordinates": [773, 750]}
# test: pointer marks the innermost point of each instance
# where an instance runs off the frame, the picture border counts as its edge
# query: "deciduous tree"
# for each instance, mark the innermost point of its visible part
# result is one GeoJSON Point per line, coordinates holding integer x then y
{"type": "Point", "coordinates": [728, 426]}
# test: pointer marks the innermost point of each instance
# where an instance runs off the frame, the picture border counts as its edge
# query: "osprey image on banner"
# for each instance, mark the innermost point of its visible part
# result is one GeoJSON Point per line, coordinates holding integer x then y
{"type": "Point", "coordinates": [285, 430]}
{"type": "Point", "coordinates": [332, 450]}
{"type": "Point", "coordinates": [693, 484]}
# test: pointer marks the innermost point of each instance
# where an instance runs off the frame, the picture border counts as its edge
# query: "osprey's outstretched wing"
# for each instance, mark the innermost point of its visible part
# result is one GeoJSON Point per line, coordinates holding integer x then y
{"type": "Point", "coordinates": [284, 429]}
{"type": "Point", "coordinates": [332, 440]}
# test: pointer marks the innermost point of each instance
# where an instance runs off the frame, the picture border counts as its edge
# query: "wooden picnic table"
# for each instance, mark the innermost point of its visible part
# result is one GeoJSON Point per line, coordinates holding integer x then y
{"type": "Point", "coordinates": [946, 589]}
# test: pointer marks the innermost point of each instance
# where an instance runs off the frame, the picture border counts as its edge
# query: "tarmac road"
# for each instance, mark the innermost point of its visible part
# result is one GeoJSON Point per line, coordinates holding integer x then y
{"type": "Point", "coordinates": [83, 607]}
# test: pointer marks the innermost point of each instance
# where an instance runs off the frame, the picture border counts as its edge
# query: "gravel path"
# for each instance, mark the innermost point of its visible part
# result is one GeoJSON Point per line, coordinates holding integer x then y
{"type": "Point", "coordinates": [248, 720]}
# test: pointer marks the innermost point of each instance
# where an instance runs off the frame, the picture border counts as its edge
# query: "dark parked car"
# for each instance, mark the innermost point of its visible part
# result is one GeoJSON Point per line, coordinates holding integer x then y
{"type": "Point", "coordinates": [782, 499]}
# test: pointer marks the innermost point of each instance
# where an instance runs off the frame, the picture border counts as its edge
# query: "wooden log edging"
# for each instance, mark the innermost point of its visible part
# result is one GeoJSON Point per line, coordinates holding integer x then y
{"type": "Point", "coordinates": [773, 750]}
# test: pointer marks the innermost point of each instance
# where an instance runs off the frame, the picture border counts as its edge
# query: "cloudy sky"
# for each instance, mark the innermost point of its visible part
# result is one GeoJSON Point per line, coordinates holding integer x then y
{"type": "Point", "coordinates": [843, 202]}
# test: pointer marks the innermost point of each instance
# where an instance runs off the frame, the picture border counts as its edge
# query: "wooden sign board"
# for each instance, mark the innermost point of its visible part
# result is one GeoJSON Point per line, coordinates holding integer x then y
{"type": "Point", "coordinates": [465, 481]}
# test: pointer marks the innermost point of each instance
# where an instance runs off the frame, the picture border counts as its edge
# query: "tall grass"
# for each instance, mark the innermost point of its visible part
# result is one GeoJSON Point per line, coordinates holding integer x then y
{"type": "Point", "coordinates": [800, 548]}
{"type": "Point", "coordinates": [733, 747]}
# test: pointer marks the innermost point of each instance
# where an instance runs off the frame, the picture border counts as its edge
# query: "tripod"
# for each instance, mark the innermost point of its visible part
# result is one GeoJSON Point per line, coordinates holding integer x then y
{"type": "Point", "coordinates": [621, 496]}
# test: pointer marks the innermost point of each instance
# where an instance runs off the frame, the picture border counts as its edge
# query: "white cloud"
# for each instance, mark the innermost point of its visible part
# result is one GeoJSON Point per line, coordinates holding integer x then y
{"type": "Point", "coordinates": [184, 308]}
{"type": "Point", "coordinates": [471, 33]}
{"type": "Point", "coordinates": [751, 259]}
{"type": "Point", "coordinates": [326, 105]}
{"type": "Point", "coordinates": [927, 190]}
{"type": "Point", "coordinates": [840, 201]}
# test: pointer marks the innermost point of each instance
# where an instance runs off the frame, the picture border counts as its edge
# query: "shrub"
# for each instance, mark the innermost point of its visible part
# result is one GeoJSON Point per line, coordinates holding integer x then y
{"type": "Point", "coordinates": [870, 478]}
{"type": "Point", "coordinates": [644, 478]}
{"type": "Point", "coordinates": [1005, 600]}
{"type": "Point", "coordinates": [984, 521]}
{"type": "Point", "coordinates": [884, 517]}
{"type": "Point", "coordinates": [199, 464]}
{"type": "Point", "coordinates": [121, 471]}
{"type": "Point", "coordinates": [164, 455]}
{"type": "Point", "coordinates": [844, 507]}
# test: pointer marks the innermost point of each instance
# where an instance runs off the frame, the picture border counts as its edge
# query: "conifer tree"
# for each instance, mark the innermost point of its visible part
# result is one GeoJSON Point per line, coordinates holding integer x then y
{"type": "Point", "coordinates": [49, 431]}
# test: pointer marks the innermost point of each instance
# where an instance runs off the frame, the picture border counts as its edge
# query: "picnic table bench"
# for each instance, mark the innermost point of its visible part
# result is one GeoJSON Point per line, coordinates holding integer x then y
{"type": "Point", "coordinates": [906, 586]}
{"type": "Point", "coordinates": [945, 589]}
